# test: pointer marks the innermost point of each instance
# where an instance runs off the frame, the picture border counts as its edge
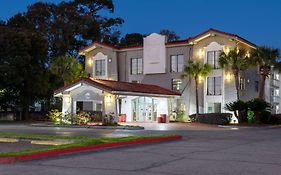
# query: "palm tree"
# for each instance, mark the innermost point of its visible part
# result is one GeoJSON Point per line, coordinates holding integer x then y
{"type": "Point", "coordinates": [235, 61]}
{"type": "Point", "coordinates": [265, 57]}
{"type": "Point", "coordinates": [196, 69]}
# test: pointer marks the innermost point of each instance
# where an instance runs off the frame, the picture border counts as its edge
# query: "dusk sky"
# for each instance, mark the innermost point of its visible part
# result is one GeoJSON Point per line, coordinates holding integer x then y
{"type": "Point", "coordinates": [256, 20]}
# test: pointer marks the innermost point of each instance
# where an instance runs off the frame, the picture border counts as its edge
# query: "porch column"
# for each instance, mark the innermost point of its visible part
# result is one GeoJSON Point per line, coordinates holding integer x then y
{"type": "Point", "coordinates": [66, 104]}
{"type": "Point", "coordinates": [74, 107]}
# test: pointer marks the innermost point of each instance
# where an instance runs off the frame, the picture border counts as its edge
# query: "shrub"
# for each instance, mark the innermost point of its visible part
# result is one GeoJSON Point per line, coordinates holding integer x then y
{"type": "Point", "coordinates": [108, 120]}
{"type": "Point", "coordinates": [83, 118]}
{"type": "Point", "coordinates": [239, 109]}
{"type": "Point", "coordinates": [260, 108]}
{"type": "Point", "coordinates": [55, 116]}
{"type": "Point", "coordinates": [212, 118]}
{"type": "Point", "coordinates": [251, 117]}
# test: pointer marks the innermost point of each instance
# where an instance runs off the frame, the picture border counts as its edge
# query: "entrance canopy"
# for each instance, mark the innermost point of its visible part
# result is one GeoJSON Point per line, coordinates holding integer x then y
{"type": "Point", "coordinates": [119, 88]}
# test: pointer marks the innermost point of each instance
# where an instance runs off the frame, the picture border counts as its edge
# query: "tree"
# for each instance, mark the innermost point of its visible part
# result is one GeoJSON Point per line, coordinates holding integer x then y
{"type": "Point", "coordinates": [132, 39]}
{"type": "Point", "coordinates": [171, 35]}
{"type": "Point", "coordinates": [70, 25]}
{"type": "Point", "coordinates": [196, 69]}
{"type": "Point", "coordinates": [265, 58]}
{"type": "Point", "coordinates": [235, 61]}
{"type": "Point", "coordinates": [23, 71]}
{"type": "Point", "coordinates": [67, 69]}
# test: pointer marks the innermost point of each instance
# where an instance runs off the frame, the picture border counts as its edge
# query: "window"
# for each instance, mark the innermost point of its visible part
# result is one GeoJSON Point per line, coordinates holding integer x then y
{"type": "Point", "coordinates": [213, 58]}
{"type": "Point", "coordinates": [214, 86]}
{"type": "Point", "coordinates": [177, 62]}
{"type": "Point", "coordinates": [136, 66]}
{"type": "Point", "coordinates": [176, 84]}
{"type": "Point", "coordinates": [100, 67]}
{"type": "Point", "coordinates": [242, 83]}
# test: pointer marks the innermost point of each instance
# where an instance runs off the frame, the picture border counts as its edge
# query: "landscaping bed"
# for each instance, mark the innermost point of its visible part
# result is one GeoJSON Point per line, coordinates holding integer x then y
{"type": "Point", "coordinates": [80, 143]}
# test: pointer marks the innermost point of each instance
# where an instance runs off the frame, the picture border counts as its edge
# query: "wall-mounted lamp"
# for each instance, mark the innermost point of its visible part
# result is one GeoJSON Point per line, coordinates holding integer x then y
{"type": "Point", "coordinates": [90, 62]}
{"type": "Point", "coordinates": [200, 53]}
{"type": "Point", "coordinates": [226, 50]}
{"type": "Point", "coordinates": [108, 99]}
{"type": "Point", "coordinates": [109, 60]}
{"type": "Point", "coordinates": [228, 76]}
{"type": "Point", "coordinates": [200, 78]}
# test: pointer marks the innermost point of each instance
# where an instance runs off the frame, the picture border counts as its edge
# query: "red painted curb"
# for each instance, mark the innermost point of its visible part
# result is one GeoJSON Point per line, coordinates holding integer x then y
{"type": "Point", "coordinates": [86, 148]}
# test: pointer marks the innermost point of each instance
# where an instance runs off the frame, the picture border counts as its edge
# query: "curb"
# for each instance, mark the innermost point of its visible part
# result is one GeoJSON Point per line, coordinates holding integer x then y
{"type": "Point", "coordinates": [91, 127]}
{"type": "Point", "coordinates": [44, 154]}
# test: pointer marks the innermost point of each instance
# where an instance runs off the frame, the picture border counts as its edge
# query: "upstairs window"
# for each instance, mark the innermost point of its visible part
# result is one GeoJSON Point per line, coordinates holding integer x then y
{"type": "Point", "coordinates": [213, 58]}
{"type": "Point", "coordinates": [100, 67]}
{"type": "Point", "coordinates": [214, 86]}
{"type": "Point", "coordinates": [136, 66]}
{"type": "Point", "coordinates": [177, 84]}
{"type": "Point", "coordinates": [177, 63]}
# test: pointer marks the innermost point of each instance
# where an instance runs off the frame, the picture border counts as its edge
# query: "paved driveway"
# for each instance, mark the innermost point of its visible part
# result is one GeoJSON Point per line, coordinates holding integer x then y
{"type": "Point", "coordinates": [213, 151]}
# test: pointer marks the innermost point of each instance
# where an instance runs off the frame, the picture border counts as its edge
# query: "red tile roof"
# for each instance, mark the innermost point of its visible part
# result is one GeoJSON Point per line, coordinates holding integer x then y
{"type": "Point", "coordinates": [119, 86]}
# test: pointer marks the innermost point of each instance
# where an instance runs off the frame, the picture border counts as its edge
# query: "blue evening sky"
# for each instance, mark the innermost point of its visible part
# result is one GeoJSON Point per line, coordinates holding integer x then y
{"type": "Point", "coordinates": [256, 20]}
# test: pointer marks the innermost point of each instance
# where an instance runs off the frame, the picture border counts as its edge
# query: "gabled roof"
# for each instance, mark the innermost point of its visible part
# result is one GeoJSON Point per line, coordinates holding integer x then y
{"type": "Point", "coordinates": [187, 41]}
{"type": "Point", "coordinates": [211, 30]}
{"type": "Point", "coordinates": [119, 87]}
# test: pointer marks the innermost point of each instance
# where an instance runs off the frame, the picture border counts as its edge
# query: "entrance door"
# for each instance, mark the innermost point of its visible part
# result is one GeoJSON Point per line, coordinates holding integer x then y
{"type": "Point", "coordinates": [144, 109]}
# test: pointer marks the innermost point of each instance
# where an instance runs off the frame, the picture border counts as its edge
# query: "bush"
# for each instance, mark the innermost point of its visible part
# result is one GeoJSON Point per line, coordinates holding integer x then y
{"type": "Point", "coordinates": [275, 119]}
{"type": "Point", "coordinates": [212, 118]}
{"type": "Point", "coordinates": [108, 120]}
{"type": "Point", "coordinates": [55, 116]}
{"type": "Point", "coordinates": [260, 108]}
{"type": "Point", "coordinates": [239, 106]}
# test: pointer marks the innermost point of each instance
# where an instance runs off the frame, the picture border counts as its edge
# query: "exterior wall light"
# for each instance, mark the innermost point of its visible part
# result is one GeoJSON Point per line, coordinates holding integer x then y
{"type": "Point", "coordinates": [228, 76]}
{"type": "Point", "coordinates": [108, 99]}
{"type": "Point", "coordinates": [200, 78]}
{"type": "Point", "coordinates": [200, 53]}
{"type": "Point", "coordinates": [226, 50]}
{"type": "Point", "coordinates": [90, 62]}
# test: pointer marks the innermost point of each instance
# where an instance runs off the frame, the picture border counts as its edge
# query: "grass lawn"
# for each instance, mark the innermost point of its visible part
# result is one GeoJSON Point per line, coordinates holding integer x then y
{"type": "Point", "coordinates": [78, 141]}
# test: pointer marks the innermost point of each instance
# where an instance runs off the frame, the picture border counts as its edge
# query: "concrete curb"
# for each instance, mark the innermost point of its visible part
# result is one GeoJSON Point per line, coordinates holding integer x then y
{"type": "Point", "coordinates": [91, 127]}
{"type": "Point", "coordinates": [44, 154]}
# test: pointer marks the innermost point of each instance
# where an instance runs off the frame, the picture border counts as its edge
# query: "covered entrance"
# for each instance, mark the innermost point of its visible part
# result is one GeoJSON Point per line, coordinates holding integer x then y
{"type": "Point", "coordinates": [138, 102]}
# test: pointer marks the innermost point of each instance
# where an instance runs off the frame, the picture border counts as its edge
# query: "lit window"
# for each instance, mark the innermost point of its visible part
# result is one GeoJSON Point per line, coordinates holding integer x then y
{"type": "Point", "coordinates": [214, 86]}
{"type": "Point", "coordinates": [177, 63]}
{"type": "Point", "coordinates": [136, 66]}
{"type": "Point", "coordinates": [213, 58]}
{"type": "Point", "coordinates": [100, 67]}
{"type": "Point", "coordinates": [177, 84]}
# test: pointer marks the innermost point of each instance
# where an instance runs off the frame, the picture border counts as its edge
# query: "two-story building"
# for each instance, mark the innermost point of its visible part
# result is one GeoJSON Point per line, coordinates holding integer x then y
{"type": "Point", "coordinates": [145, 81]}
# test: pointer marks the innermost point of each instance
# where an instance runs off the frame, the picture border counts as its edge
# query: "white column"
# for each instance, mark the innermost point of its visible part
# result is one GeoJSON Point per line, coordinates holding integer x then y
{"type": "Point", "coordinates": [74, 107]}
{"type": "Point", "coordinates": [66, 104]}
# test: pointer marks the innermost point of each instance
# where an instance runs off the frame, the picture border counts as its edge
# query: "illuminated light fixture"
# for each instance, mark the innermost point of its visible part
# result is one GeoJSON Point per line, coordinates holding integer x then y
{"type": "Point", "coordinates": [109, 60]}
{"type": "Point", "coordinates": [90, 61]}
{"type": "Point", "coordinates": [200, 53]}
{"type": "Point", "coordinates": [200, 78]}
{"type": "Point", "coordinates": [228, 76]}
{"type": "Point", "coordinates": [108, 99]}
{"type": "Point", "coordinates": [248, 54]}
{"type": "Point", "coordinates": [226, 50]}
